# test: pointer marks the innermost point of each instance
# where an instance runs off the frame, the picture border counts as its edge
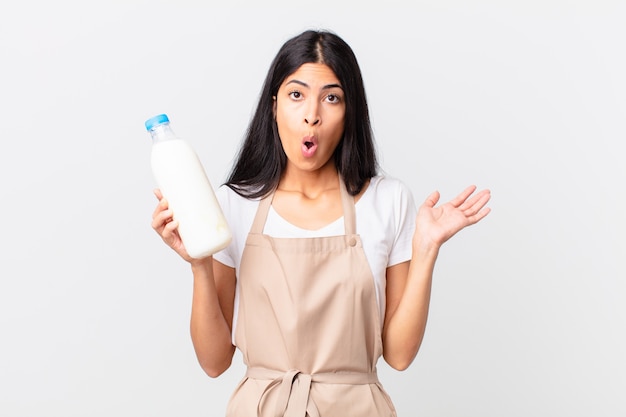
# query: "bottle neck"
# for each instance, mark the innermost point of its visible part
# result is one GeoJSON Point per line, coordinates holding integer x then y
{"type": "Point", "coordinates": [162, 133]}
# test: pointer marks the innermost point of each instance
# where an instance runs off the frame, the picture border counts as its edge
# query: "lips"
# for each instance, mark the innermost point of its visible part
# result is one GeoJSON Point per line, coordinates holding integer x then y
{"type": "Point", "coordinates": [309, 146]}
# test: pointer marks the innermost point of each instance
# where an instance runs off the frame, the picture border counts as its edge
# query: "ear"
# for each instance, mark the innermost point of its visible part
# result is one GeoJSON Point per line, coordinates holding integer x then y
{"type": "Point", "coordinates": [274, 106]}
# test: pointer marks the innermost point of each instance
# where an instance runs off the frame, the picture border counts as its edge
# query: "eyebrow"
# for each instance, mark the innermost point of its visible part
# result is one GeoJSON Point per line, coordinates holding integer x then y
{"type": "Point", "coordinates": [326, 87]}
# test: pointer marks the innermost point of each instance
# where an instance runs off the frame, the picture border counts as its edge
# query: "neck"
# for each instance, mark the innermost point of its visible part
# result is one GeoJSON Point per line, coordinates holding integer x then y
{"type": "Point", "coordinates": [310, 183]}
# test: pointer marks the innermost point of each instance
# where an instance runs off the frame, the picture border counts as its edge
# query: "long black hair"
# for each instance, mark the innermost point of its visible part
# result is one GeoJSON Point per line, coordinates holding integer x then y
{"type": "Point", "coordinates": [261, 159]}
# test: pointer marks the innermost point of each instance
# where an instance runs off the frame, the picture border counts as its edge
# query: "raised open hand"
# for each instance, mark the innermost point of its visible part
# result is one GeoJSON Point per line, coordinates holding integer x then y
{"type": "Point", "coordinates": [435, 225]}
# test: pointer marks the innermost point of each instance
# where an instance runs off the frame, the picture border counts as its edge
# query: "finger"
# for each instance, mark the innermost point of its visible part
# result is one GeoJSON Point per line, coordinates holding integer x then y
{"type": "Point", "coordinates": [478, 211]}
{"type": "Point", "coordinates": [161, 219]}
{"type": "Point", "coordinates": [479, 216]}
{"type": "Point", "coordinates": [481, 200]}
{"type": "Point", "coordinates": [157, 193]}
{"type": "Point", "coordinates": [170, 230]}
{"type": "Point", "coordinates": [432, 199]}
{"type": "Point", "coordinates": [460, 199]}
{"type": "Point", "coordinates": [163, 205]}
{"type": "Point", "coordinates": [483, 196]}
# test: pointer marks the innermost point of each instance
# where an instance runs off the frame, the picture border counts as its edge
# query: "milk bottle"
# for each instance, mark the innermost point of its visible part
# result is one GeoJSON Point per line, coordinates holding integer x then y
{"type": "Point", "coordinates": [180, 176]}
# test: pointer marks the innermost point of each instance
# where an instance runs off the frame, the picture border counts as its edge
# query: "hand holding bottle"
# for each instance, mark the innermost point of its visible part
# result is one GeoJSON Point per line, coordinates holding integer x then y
{"type": "Point", "coordinates": [164, 224]}
{"type": "Point", "coordinates": [199, 228]}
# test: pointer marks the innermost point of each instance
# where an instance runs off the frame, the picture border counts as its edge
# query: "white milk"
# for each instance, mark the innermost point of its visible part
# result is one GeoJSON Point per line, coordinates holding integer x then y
{"type": "Point", "coordinates": [180, 176]}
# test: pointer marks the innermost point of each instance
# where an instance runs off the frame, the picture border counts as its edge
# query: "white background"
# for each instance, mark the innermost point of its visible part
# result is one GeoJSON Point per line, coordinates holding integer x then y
{"type": "Point", "coordinates": [527, 98]}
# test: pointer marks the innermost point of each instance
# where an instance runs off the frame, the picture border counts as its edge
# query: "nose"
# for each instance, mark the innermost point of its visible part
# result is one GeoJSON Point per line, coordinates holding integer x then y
{"type": "Point", "coordinates": [312, 117]}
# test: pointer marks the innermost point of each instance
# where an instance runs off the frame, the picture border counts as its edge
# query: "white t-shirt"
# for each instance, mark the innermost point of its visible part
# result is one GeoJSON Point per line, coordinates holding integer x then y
{"type": "Point", "coordinates": [385, 220]}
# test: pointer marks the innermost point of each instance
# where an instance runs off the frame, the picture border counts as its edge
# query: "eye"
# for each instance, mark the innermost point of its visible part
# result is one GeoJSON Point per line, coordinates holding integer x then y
{"type": "Point", "coordinates": [296, 95]}
{"type": "Point", "coordinates": [333, 98]}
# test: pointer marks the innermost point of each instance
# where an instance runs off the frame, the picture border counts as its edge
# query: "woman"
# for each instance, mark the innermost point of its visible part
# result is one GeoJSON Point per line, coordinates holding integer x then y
{"type": "Point", "coordinates": [331, 264]}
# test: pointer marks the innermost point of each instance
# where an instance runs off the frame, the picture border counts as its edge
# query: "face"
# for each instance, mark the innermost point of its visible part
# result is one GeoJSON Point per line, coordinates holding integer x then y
{"type": "Point", "coordinates": [310, 109]}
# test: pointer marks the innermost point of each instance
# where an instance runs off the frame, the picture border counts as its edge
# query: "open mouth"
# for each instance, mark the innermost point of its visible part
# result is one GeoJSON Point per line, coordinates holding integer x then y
{"type": "Point", "coordinates": [309, 146]}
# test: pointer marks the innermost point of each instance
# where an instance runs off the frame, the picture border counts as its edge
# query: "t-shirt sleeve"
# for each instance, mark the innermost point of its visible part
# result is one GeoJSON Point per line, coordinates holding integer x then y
{"type": "Point", "coordinates": [405, 212]}
{"type": "Point", "coordinates": [225, 255]}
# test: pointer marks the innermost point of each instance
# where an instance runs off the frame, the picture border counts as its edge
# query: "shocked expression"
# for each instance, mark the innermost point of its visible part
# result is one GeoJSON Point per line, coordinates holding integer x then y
{"type": "Point", "coordinates": [310, 110]}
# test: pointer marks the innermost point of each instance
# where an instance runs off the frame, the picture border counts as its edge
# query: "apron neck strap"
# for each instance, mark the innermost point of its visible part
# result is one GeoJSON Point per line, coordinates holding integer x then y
{"type": "Point", "coordinates": [349, 215]}
{"type": "Point", "coordinates": [347, 202]}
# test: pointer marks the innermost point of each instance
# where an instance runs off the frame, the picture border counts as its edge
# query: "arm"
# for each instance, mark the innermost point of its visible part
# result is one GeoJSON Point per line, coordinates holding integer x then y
{"type": "Point", "coordinates": [212, 315]}
{"type": "Point", "coordinates": [213, 297]}
{"type": "Point", "coordinates": [409, 283]}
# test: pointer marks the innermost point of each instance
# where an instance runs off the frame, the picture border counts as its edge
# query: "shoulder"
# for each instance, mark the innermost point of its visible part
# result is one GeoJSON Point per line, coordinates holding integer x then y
{"type": "Point", "coordinates": [226, 194]}
{"type": "Point", "coordinates": [385, 187]}
{"type": "Point", "coordinates": [391, 199]}
{"type": "Point", "coordinates": [233, 205]}
{"type": "Point", "coordinates": [239, 213]}
{"type": "Point", "coordinates": [387, 200]}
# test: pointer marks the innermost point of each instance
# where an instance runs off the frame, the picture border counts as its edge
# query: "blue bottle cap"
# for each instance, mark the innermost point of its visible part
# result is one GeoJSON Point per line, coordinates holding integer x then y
{"type": "Point", "coordinates": [156, 120]}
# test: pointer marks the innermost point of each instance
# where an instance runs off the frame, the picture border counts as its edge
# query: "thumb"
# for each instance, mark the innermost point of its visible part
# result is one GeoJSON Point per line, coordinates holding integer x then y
{"type": "Point", "coordinates": [432, 199]}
